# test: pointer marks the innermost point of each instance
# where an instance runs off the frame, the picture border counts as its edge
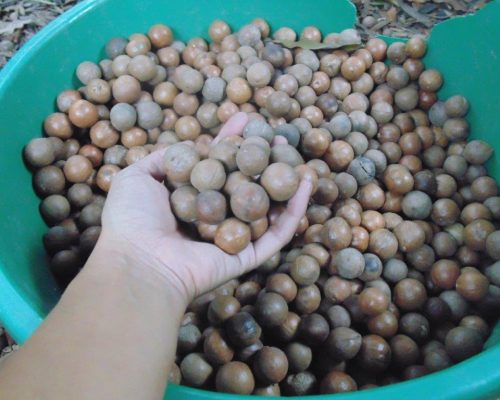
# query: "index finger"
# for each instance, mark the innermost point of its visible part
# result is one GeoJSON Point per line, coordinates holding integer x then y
{"type": "Point", "coordinates": [234, 126]}
{"type": "Point", "coordinates": [280, 233]}
{"type": "Point", "coordinates": [152, 165]}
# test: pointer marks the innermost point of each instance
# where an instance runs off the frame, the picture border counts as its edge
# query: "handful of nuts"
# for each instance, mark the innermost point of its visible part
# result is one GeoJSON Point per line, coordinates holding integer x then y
{"type": "Point", "coordinates": [227, 193]}
{"type": "Point", "coordinates": [394, 271]}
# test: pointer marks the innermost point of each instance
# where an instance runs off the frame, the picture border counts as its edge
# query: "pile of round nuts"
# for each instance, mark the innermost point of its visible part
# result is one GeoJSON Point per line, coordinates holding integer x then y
{"type": "Point", "coordinates": [393, 272]}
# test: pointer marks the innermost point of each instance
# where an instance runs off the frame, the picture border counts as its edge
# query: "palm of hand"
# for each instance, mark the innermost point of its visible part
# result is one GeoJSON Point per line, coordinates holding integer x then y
{"type": "Point", "coordinates": [138, 216]}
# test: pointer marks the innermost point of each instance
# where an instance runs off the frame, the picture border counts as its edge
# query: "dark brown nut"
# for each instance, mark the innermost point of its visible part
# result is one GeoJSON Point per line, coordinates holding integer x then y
{"type": "Point", "coordinates": [313, 329]}
{"type": "Point", "coordinates": [462, 343]}
{"type": "Point", "coordinates": [409, 294]}
{"type": "Point", "coordinates": [49, 180]}
{"type": "Point", "coordinates": [315, 142]}
{"type": "Point", "coordinates": [299, 356]}
{"type": "Point", "coordinates": [415, 326]}
{"type": "Point", "coordinates": [398, 179]}
{"type": "Point", "coordinates": [375, 353]}
{"type": "Point", "coordinates": [270, 365]}
{"type": "Point", "coordinates": [271, 309]}
{"type": "Point", "coordinates": [437, 310]}
{"type": "Point", "coordinates": [55, 208]}
{"type": "Point", "coordinates": [338, 382]}
{"type": "Point", "coordinates": [445, 212]}
{"type": "Point", "coordinates": [476, 232]}
{"type": "Point", "coordinates": [384, 324]}
{"type": "Point", "coordinates": [373, 301]}
{"type": "Point", "coordinates": [235, 377]}
{"type": "Point", "coordinates": [195, 370]}
{"type": "Point", "coordinates": [222, 308]}
{"type": "Point", "coordinates": [283, 285]}
{"type": "Point", "coordinates": [308, 299]}
{"type": "Point", "coordinates": [458, 305]}
{"type": "Point", "coordinates": [288, 329]}
{"type": "Point", "coordinates": [326, 192]}
{"type": "Point", "coordinates": [242, 329]}
{"type": "Point", "coordinates": [343, 343]}
{"type": "Point", "coordinates": [404, 351]}
{"type": "Point", "coordinates": [477, 323]}
{"type": "Point", "coordinates": [338, 317]}
{"type": "Point", "coordinates": [471, 285]}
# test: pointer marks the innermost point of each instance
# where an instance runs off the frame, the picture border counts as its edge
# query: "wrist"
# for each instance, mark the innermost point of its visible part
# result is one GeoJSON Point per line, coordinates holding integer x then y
{"type": "Point", "coordinates": [113, 258]}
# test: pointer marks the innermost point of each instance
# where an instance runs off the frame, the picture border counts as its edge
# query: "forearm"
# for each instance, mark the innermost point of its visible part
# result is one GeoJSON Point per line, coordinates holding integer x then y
{"type": "Point", "coordinates": [112, 336]}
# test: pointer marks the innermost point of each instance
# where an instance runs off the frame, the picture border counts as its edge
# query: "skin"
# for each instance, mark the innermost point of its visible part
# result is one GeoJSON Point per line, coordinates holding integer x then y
{"type": "Point", "coordinates": [122, 311]}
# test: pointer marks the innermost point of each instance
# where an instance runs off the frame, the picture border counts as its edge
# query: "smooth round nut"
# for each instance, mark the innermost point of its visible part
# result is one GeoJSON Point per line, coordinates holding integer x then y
{"type": "Point", "coordinates": [280, 180]}
{"type": "Point", "coordinates": [232, 236]}
{"type": "Point", "coordinates": [249, 202]}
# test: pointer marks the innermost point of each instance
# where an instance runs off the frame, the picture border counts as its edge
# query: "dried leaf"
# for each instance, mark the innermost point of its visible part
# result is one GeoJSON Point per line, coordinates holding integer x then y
{"type": "Point", "coordinates": [457, 5]}
{"type": "Point", "coordinates": [308, 44]}
{"type": "Point", "coordinates": [423, 19]}
{"type": "Point", "coordinates": [427, 8]}
{"type": "Point", "coordinates": [10, 27]}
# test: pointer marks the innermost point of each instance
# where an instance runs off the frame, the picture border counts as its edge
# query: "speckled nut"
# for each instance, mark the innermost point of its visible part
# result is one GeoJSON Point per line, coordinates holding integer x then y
{"type": "Point", "coordinates": [208, 175]}
{"type": "Point", "coordinates": [363, 169]}
{"type": "Point", "coordinates": [179, 161]}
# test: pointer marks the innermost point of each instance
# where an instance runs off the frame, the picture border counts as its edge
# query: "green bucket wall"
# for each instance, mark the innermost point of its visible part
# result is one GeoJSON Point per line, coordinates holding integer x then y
{"type": "Point", "coordinates": [465, 49]}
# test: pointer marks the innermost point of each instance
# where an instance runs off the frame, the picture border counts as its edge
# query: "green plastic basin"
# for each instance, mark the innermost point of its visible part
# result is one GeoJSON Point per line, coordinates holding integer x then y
{"type": "Point", "coordinates": [465, 49]}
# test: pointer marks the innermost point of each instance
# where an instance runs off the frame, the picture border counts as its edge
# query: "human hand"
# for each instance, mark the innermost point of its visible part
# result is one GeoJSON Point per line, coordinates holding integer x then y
{"type": "Point", "coordinates": [138, 221]}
